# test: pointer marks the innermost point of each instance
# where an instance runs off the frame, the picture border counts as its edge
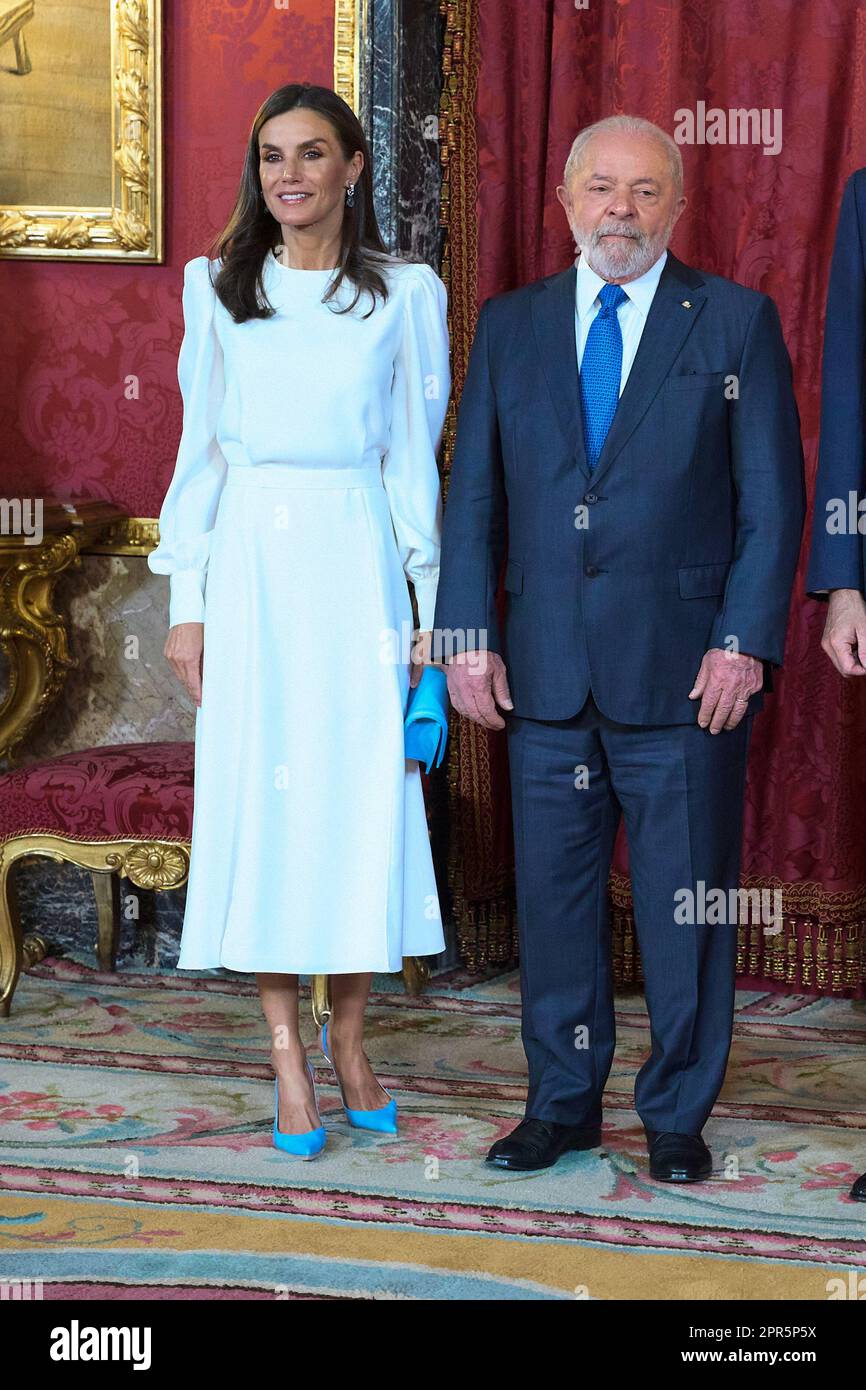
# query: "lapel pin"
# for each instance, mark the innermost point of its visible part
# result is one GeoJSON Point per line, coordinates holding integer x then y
{"type": "Point", "coordinates": [687, 304]}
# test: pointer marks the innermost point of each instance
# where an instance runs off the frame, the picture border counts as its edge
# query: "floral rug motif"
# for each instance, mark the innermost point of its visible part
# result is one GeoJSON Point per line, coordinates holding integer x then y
{"type": "Point", "coordinates": [136, 1156]}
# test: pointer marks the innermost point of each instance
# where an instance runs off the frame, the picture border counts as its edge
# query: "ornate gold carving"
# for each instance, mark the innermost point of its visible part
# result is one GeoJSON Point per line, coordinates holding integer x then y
{"type": "Point", "coordinates": [35, 949]}
{"type": "Point", "coordinates": [131, 229]}
{"type": "Point", "coordinates": [320, 998]}
{"type": "Point", "coordinates": [32, 634]}
{"type": "Point", "coordinates": [416, 973]}
{"type": "Point", "coordinates": [157, 864]}
{"type": "Point", "coordinates": [350, 18]}
{"type": "Point", "coordinates": [128, 535]}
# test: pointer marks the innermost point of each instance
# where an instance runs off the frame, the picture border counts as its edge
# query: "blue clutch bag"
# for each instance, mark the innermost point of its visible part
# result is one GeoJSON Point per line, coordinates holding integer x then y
{"type": "Point", "coordinates": [426, 722]}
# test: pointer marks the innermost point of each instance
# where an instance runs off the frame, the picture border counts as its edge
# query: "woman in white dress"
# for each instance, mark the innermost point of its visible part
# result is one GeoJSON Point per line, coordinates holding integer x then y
{"type": "Point", "coordinates": [315, 380]}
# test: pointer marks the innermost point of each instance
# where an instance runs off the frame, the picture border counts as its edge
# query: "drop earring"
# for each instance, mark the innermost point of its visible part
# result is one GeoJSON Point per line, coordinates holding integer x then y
{"type": "Point", "coordinates": [350, 195]}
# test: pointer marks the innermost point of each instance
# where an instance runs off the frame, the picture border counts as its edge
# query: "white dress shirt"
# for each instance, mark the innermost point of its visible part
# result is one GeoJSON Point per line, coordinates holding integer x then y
{"type": "Point", "coordinates": [632, 313]}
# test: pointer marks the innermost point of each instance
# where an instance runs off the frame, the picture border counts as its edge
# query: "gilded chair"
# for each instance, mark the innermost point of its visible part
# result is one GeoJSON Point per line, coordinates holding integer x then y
{"type": "Point", "coordinates": [122, 811]}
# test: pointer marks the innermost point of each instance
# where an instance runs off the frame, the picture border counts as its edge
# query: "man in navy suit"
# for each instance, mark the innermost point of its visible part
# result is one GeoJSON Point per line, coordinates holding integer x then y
{"type": "Point", "coordinates": [837, 561]}
{"type": "Point", "coordinates": [628, 435]}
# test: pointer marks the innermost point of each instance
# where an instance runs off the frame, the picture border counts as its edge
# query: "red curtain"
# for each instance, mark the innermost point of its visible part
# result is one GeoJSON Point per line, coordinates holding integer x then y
{"type": "Point", "coordinates": [544, 70]}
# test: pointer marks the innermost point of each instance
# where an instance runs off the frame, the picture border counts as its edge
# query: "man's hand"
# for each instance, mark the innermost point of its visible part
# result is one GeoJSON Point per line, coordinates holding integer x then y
{"type": "Point", "coordinates": [477, 683]}
{"type": "Point", "coordinates": [724, 684]}
{"type": "Point", "coordinates": [844, 638]}
{"type": "Point", "coordinates": [183, 651]}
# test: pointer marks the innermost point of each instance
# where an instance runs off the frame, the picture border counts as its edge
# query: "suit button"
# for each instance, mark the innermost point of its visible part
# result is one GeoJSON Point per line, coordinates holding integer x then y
{"type": "Point", "coordinates": [590, 571]}
{"type": "Point", "coordinates": [590, 497]}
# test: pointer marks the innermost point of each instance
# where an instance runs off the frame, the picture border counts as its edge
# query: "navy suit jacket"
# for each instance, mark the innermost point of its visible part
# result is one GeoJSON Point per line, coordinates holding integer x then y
{"type": "Point", "coordinates": [836, 561]}
{"type": "Point", "coordinates": [684, 537]}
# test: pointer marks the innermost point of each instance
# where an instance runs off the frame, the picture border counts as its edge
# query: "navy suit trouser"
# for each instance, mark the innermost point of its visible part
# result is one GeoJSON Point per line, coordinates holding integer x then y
{"type": "Point", "coordinates": [680, 790]}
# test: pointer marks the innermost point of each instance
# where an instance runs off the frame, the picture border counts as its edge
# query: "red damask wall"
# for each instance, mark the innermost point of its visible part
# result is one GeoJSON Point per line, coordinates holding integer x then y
{"type": "Point", "coordinates": [71, 334]}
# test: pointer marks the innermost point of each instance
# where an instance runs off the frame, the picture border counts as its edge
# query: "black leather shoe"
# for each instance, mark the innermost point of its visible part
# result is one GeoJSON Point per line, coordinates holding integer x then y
{"type": "Point", "coordinates": [678, 1157]}
{"type": "Point", "coordinates": [858, 1191]}
{"type": "Point", "coordinates": [539, 1143]}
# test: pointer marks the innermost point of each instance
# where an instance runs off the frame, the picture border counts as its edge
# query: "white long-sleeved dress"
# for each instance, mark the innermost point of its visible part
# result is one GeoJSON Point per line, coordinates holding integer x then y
{"type": "Point", "coordinates": [305, 493]}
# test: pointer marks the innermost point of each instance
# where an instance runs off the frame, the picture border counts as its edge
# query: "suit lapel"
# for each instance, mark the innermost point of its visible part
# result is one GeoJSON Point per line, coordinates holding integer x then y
{"type": "Point", "coordinates": [668, 325]}
{"type": "Point", "coordinates": [553, 324]}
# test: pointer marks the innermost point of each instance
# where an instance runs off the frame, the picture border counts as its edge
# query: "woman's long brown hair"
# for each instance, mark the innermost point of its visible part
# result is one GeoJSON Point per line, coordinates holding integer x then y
{"type": "Point", "coordinates": [249, 235]}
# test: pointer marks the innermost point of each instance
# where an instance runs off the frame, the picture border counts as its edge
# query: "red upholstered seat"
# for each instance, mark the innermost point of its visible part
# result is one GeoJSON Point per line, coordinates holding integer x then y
{"type": "Point", "coordinates": [123, 791]}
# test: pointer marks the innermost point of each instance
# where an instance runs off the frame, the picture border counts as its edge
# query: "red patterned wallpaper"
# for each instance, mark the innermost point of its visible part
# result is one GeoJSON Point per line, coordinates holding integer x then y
{"type": "Point", "coordinates": [72, 335]}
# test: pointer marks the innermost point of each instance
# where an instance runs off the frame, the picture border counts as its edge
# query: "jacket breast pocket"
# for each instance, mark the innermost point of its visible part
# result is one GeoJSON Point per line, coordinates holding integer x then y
{"type": "Point", "coordinates": [703, 581]}
{"type": "Point", "coordinates": [513, 581]}
{"type": "Point", "coordinates": [699, 381]}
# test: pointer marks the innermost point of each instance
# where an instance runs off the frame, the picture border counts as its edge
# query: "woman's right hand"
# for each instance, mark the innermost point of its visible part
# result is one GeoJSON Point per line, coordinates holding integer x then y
{"type": "Point", "coordinates": [184, 649]}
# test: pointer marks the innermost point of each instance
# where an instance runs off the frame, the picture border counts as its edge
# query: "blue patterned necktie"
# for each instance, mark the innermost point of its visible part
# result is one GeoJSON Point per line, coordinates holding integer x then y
{"type": "Point", "coordinates": [600, 372]}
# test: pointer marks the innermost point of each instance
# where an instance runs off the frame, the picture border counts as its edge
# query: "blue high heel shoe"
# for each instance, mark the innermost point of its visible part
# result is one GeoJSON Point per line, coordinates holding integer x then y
{"type": "Point", "coordinates": [381, 1121]}
{"type": "Point", "coordinates": [306, 1144]}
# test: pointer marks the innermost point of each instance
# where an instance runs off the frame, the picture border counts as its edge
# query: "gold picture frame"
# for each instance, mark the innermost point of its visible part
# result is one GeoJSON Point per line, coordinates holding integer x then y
{"type": "Point", "coordinates": [130, 227]}
{"type": "Point", "coordinates": [350, 17]}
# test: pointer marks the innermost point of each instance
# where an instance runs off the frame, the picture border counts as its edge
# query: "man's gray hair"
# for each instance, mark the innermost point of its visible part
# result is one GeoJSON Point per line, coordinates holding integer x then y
{"type": "Point", "coordinates": [632, 125]}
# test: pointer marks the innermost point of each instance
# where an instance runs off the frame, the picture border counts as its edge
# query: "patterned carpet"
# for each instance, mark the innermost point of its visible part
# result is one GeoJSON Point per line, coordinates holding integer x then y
{"type": "Point", "coordinates": [137, 1162]}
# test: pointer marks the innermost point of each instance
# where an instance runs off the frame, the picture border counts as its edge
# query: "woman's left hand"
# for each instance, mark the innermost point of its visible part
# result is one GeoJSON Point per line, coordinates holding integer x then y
{"type": "Point", "coordinates": [422, 646]}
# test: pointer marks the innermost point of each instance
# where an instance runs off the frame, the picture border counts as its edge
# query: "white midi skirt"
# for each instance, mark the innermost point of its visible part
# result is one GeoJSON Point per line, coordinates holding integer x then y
{"type": "Point", "coordinates": [310, 850]}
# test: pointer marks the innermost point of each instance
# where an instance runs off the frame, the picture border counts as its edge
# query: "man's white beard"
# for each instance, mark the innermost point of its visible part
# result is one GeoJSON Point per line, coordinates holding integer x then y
{"type": "Point", "coordinates": [615, 260]}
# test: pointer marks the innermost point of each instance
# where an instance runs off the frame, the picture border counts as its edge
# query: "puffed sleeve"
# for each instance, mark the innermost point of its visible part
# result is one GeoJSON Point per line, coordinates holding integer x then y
{"type": "Point", "coordinates": [419, 399]}
{"type": "Point", "coordinates": [189, 508]}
